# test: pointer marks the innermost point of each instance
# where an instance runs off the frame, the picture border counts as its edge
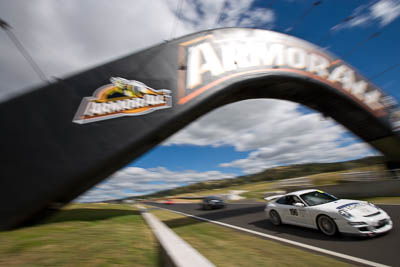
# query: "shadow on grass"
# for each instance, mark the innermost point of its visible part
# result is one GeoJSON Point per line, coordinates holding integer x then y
{"type": "Point", "coordinates": [175, 223]}
{"type": "Point", "coordinates": [87, 215]}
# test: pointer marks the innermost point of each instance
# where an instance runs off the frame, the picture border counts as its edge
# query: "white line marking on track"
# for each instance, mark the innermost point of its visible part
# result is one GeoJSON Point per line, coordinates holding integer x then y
{"type": "Point", "coordinates": [284, 240]}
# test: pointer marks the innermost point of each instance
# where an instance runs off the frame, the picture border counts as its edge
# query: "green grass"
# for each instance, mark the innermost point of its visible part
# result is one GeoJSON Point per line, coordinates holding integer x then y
{"type": "Point", "coordinates": [82, 235]}
{"type": "Point", "coordinates": [228, 247]}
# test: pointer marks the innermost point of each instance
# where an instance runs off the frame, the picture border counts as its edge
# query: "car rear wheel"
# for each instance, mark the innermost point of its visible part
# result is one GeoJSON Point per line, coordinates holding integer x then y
{"type": "Point", "coordinates": [274, 217]}
{"type": "Point", "coordinates": [327, 225]}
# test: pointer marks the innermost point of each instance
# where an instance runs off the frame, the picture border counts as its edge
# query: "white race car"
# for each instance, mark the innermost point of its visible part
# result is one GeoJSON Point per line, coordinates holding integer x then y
{"type": "Point", "coordinates": [319, 210]}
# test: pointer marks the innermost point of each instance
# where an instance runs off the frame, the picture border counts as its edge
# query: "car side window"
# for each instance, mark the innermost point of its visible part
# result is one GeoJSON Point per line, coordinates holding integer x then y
{"type": "Point", "coordinates": [290, 200]}
{"type": "Point", "coordinates": [282, 200]}
{"type": "Point", "coordinates": [296, 200]}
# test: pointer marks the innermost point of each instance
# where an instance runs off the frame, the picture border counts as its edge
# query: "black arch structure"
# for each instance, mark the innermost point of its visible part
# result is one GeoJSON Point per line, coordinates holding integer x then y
{"type": "Point", "coordinates": [60, 140]}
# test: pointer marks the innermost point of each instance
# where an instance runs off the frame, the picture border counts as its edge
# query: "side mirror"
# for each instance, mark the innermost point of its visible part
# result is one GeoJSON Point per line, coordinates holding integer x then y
{"type": "Point", "coordinates": [299, 205]}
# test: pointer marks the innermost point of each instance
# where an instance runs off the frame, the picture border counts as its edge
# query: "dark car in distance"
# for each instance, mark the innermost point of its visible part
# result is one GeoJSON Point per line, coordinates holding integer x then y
{"type": "Point", "coordinates": [212, 202]}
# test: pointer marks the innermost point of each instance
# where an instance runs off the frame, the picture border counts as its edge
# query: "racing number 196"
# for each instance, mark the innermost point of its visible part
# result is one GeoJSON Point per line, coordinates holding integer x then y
{"type": "Point", "coordinates": [294, 212]}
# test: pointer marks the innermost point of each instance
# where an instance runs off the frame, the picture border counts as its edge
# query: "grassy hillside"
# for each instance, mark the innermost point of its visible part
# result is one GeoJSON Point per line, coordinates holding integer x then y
{"type": "Point", "coordinates": [274, 174]}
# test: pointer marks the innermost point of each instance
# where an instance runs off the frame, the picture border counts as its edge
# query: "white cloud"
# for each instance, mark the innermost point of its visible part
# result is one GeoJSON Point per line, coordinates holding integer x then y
{"type": "Point", "coordinates": [297, 153]}
{"type": "Point", "coordinates": [257, 17]}
{"type": "Point", "coordinates": [275, 133]}
{"type": "Point", "coordinates": [133, 181]}
{"type": "Point", "coordinates": [207, 14]}
{"type": "Point", "coordinates": [386, 11]}
{"type": "Point", "coordinates": [236, 125]}
{"type": "Point", "coordinates": [383, 12]}
{"type": "Point", "coordinates": [68, 36]}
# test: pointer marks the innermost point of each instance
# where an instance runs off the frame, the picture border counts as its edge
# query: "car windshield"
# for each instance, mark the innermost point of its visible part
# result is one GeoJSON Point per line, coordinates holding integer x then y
{"type": "Point", "coordinates": [317, 198]}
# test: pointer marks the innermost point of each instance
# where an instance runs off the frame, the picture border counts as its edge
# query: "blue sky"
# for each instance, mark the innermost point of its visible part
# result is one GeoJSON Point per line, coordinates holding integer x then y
{"type": "Point", "coordinates": [184, 157]}
{"type": "Point", "coordinates": [66, 37]}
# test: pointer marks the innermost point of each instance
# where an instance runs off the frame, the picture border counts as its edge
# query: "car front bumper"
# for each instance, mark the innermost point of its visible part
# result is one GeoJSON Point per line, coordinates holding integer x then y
{"type": "Point", "coordinates": [376, 227]}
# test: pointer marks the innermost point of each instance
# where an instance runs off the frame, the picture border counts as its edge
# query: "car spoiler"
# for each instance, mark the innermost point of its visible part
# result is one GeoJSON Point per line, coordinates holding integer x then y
{"type": "Point", "coordinates": [272, 197]}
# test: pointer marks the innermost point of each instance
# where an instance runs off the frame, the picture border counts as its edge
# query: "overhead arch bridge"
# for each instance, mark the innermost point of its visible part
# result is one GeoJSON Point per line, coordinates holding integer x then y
{"type": "Point", "coordinates": [60, 140]}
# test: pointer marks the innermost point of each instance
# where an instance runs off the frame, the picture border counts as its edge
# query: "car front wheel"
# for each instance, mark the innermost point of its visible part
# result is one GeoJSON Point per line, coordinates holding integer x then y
{"type": "Point", "coordinates": [327, 225]}
{"type": "Point", "coordinates": [274, 217]}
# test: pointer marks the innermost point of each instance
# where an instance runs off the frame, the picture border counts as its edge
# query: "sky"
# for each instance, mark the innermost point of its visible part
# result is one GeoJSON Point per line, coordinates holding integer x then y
{"type": "Point", "coordinates": [67, 37]}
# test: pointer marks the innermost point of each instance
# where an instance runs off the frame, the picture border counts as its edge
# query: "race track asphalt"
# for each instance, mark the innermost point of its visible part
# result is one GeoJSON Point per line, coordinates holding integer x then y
{"type": "Point", "coordinates": [383, 249]}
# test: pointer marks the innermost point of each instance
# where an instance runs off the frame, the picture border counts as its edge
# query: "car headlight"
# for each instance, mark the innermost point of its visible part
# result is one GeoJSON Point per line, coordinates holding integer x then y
{"type": "Point", "coordinates": [345, 214]}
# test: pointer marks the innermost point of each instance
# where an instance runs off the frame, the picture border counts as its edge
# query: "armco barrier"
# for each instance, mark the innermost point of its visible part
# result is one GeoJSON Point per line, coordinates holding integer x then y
{"type": "Point", "coordinates": [174, 251]}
